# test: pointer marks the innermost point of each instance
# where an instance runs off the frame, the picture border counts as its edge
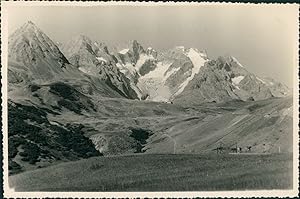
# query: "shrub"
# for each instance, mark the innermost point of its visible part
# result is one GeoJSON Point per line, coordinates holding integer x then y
{"type": "Point", "coordinates": [140, 135]}
{"type": "Point", "coordinates": [14, 167]}
{"type": "Point", "coordinates": [13, 144]}
{"type": "Point", "coordinates": [65, 91]}
{"type": "Point", "coordinates": [23, 154]}
{"type": "Point", "coordinates": [42, 139]}
{"type": "Point", "coordinates": [32, 152]}
{"type": "Point", "coordinates": [34, 88]}
{"type": "Point", "coordinates": [72, 106]}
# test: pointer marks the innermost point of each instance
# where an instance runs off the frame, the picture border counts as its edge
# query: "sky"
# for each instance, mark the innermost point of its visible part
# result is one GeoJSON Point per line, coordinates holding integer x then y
{"type": "Point", "coordinates": [263, 38]}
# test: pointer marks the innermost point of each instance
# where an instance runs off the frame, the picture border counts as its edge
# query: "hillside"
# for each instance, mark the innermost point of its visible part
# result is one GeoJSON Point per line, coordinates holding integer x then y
{"type": "Point", "coordinates": [264, 126]}
{"type": "Point", "coordinates": [186, 172]}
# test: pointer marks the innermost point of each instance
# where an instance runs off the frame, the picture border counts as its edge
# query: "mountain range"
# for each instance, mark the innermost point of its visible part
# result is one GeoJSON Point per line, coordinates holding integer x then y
{"type": "Point", "coordinates": [109, 100]}
{"type": "Point", "coordinates": [135, 72]}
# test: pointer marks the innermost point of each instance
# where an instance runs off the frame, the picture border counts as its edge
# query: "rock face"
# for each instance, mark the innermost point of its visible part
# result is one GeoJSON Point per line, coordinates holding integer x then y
{"type": "Point", "coordinates": [175, 68]}
{"type": "Point", "coordinates": [137, 50]}
{"type": "Point", "coordinates": [94, 59]}
{"type": "Point", "coordinates": [226, 79]}
{"type": "Point", "coordinates": [33, 55]}
{"type": "Point", "coordinates": [184, 75]}
{"type": "Point", "coordinates": [187, 75]}
{"type": "Point", "coordinates": [134, 61]}
{"type": "Point", "coordinates": [29, 44]}
{"type": "Point", "coordinates": [33, 58]}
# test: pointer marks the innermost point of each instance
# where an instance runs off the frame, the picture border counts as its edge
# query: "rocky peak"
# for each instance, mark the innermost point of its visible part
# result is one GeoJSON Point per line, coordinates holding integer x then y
{"type": "Point", "coordinates": [84, 39]}
{"type": "Point", "coordinates": [151, 52]}
{"type": "Point", "coordinates": [100, 47]}
{"type": "Point", "coordinates": [137, 49]}
{"type": "Point", "coordinates": [94, 59]}
{"type": "Point", "coordinates": [29, 45]}
{"type": "Point", "coordinates": [29, 26]}
{"type": "Point", "coordinates": [228, 61]}
{"type": "Point", "coordinates": [78, 44]}
{"type": "Point", "coordinates": [225, 79]}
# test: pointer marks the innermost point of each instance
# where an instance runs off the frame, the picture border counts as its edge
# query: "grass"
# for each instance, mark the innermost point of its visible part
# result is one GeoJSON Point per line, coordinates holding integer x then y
{"type": "Point", "coordinates": [192, 172]}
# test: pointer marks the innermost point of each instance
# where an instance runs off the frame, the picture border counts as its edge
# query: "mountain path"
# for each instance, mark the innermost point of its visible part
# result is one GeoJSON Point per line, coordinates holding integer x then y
{"type": "Point", "coordinates": [172, 139]}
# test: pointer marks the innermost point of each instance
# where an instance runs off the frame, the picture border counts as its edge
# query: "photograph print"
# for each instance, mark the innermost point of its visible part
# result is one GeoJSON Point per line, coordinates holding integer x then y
{"type": "Point", "coordinates": [149, 99]}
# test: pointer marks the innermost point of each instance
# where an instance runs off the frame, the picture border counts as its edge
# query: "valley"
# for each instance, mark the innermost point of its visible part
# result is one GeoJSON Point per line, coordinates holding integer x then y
{"type": "Point", "coordinates": [86, 116]}
{"type": "Point", "coordinates": [265, 126]}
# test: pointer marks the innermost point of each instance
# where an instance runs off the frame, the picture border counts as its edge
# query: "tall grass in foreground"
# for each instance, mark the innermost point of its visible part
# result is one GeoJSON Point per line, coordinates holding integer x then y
{"type": "Point", "coordinates": [162, 173]}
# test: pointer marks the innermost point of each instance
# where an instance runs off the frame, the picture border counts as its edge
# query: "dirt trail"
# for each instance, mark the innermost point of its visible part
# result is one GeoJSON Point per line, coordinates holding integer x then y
{"type": "Point", "coordinates": [173, 140]}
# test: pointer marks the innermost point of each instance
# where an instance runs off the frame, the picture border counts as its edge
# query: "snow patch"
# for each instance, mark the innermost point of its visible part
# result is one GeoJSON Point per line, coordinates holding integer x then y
{"type": "Point", "coordinates": [54, 123]}
{"type": "Point", "coordinates": [159, 71]}
{"type": "Point", "coordinates": [128, 67]}
{"type": "Point", "coordinates": [143, 58]}
{"type": "Point", "coordinates": [119, 65]}
{"type": "Point", "coordinates": [180, 47]}
{"type": "Point", "coordinates": [93, 71]}
{"type": "Point", "coordinates": [128, 70]}
{"type": "Point", "coordinates": [261, 80]}
{"type": "Point", "coordinates": [237, 87]}
{"type": "Point", "coordinates": [124, 51]}
{"type": "Point", "coordinates": [198, 59]}
{"type": "Point", "coordinates": [121, 68]}
{"type": "Point", "coordinates": [170, 72]}
{"type": "Point", "coordinates": [236, 61]}
{"type": "Point", "coordinates": [159, 99]}
{"type": "Point", "coordinates": [237, 80]}
{"type": "Point", "coordinates": [101, 59]}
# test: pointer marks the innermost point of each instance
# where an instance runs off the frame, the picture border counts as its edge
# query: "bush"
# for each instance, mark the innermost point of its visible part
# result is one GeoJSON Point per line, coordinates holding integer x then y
{"type": "Point", "coordinates": [65, 91]}
{"type": "Point", "coordinates": [23, 154]}
{"type": "Point", "coordinates": [42, 139]}
{"type": "Point", "coordinates": [140, 135]}
{"type": "Point", "coordinates": [19, 113]}
{"type": "Point", "coordinates": [13, 144]}
{"type": "Point", "coordinates": [34, 88]}
{"type": "Point", "coordinates": [14, 167]}
{"type": "Point", "coordinates": [32, 152]}
{"type": "Point", "coordinates": [72, 106]}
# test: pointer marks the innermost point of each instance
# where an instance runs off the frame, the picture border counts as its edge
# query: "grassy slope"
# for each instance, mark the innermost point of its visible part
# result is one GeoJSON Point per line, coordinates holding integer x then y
{"type": "Point", "coordinates": [263, 125]}
{"type": "Point", "coordinates": [162, 173]}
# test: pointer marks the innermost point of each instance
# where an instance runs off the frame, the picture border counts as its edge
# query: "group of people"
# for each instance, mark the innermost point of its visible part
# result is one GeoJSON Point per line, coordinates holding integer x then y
{"type": "Point", "coordinates": [236, 149]}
